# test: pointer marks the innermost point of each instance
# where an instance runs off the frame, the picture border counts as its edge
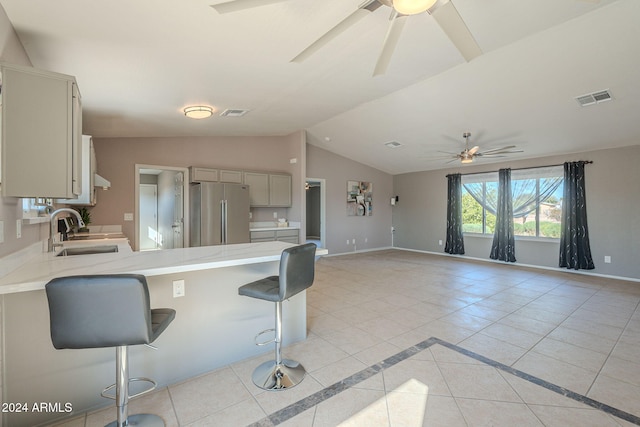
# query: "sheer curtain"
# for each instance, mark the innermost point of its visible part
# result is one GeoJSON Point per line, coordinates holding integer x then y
{"type": "Point", "coordinates": [455, 239]}
{"type": "Point", "coordinates": [530, 187]}
{"type": "Point", "coordinates": [524, 194]}
{"type": "Point", "coordinates": [503, 247]}
{"type": "Point", "coordinates": [575, 251]}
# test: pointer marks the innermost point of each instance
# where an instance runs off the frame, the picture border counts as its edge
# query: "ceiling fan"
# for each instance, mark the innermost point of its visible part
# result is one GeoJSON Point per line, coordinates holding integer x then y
{"type": "Point", "coordinates": [443, 11]}
{"type": "Point", "coordinates": [469, 154]}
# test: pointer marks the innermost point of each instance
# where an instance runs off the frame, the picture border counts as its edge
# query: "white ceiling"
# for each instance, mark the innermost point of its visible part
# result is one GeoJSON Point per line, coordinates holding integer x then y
{"type": "Point", "coordinates": [139, 63]}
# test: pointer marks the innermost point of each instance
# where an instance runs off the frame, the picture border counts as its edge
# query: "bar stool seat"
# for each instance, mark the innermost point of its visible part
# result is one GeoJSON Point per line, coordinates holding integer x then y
{"type": "Point", "coordinates": [96, 311]}
{"type": "Point", "coordinates": [296, 273]}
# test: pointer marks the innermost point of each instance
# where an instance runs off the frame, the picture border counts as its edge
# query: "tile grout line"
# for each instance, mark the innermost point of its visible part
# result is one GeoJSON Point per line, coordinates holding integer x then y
{"type": "Point", "coordinates": [309, 402]}
{"type": "Point", "coordinates": [545, 384]}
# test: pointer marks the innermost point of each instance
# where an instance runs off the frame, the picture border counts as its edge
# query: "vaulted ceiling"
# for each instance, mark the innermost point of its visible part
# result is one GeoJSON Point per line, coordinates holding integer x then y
{"type": "Point", "coordinates": [138, 64]}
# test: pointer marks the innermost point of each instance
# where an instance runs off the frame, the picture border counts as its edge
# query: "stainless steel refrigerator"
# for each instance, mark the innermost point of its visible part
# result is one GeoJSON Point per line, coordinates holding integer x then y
{"type": "Point", "coordinates": [219, 213]}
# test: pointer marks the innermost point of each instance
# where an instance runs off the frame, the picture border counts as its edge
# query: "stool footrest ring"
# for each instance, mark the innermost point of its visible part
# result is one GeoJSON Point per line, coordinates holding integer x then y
{"type": "Point", "coordinates": [112, 386]}
{"type": "Point", "coordinates": [255, 339]}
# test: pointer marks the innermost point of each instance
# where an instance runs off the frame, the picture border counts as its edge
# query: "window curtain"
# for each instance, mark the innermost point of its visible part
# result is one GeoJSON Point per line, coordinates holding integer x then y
{"type": "Point", "coordinates": [503, 247]}
{"type": "Point", "coordinates": [575, 252]}
{"type": "Point", "coordinates": [455, 240]}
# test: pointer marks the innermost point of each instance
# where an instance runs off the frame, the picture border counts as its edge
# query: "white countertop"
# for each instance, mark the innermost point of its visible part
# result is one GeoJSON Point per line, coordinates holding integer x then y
{"type": "Point", "coordinates": [35, 274]}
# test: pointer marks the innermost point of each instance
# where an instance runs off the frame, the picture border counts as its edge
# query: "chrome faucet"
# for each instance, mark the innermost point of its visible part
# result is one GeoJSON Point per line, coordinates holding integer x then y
{"type": "Point", "coordinates": [53, 224]}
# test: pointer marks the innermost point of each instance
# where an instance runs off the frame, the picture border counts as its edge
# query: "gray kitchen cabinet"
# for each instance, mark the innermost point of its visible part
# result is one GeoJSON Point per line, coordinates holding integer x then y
{"type": "Point", "coordinates": [288, 235]}
{"type": "Point", "coordinates": [230, 176]}
{"type": "Point", "coordinates": [279, 190]}
{"type": "Point", "coordinates": [41, 133]}
{"type": "Point", "coordinates": [258, 188]}
{"type": "Point", "coordinates": [203, 174]}
{"type": "Point", "coordinates": [268, 189]}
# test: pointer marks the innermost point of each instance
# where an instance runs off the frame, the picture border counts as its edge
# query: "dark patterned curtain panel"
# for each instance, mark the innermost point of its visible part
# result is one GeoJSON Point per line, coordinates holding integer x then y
{"type": "Point", "coordinates": [455, 240]}
{"type": "Point", "coordinates": [503, 247]}
{"type": "Point", "coordinates": [575, 251]}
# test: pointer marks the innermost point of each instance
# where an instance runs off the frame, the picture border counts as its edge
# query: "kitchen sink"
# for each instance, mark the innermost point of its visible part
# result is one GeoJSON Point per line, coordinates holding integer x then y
{"type": "Point", "coordinates": [88, 250]}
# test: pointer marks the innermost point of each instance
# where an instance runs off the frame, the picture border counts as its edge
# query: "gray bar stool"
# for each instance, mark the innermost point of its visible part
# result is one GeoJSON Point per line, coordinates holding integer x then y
{"type": "Point", "coordinates": [108, 311]}
{"type": "Point", "coordinates": [297, 269]}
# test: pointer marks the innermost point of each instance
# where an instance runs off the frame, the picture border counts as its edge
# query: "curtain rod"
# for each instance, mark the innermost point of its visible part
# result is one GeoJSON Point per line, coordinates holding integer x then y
{"type": "Point", "coordinates": [586, 162]}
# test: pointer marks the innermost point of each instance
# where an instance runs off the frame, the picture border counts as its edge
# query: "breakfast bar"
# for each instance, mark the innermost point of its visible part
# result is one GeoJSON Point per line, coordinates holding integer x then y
{"type": "Point", "coordinates": [214, 326]}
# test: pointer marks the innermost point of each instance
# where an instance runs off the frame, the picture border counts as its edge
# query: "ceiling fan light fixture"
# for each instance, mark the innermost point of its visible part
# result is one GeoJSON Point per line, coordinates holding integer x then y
{"type": "Point", "coordinates": [412, 7]}
{"type": "Point", "coordinates": [466, 158]}
{"type": "Point", "coordinates": [198, 112]}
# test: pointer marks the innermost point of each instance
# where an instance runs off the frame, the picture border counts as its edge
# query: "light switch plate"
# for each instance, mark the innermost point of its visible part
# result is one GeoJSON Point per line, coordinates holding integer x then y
{"type": "Point", "coordinates": [128, 217]}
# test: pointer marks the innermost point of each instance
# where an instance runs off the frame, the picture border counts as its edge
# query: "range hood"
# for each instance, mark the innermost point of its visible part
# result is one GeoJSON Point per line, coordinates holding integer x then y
{"type": "Point", "coordinates": [101, 182]}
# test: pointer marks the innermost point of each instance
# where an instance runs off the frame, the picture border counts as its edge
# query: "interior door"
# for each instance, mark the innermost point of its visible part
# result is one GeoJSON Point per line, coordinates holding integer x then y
{"type": "Point", "coordinates": [148, 217]}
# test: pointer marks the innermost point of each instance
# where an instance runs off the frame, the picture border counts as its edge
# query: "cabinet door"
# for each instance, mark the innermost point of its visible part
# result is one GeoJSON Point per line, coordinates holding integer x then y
{"type": "Point", "coordinates": [231, 176]}
{"type": "Point", "coordinates": [280, 190]}
{"type": "Point", "coordinates": [258, 188]}
{"type": "Point", "coordinates": [38, 128]}
{"type": "Point", "coordinates": [203, 174]}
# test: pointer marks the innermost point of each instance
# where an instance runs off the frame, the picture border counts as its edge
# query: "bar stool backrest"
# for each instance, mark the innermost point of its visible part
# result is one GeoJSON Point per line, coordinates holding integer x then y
{"type": "Point", "coordinates": [99, 311]}
{"type": "Point", "coordinates": [297, 269]}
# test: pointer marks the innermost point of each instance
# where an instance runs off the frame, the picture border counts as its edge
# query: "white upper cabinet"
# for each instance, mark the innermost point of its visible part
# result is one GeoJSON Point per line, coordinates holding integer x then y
{"type": "Point", "coordinates": [41, 133]}
{"type": "Point", "coordinates": [90, 178]}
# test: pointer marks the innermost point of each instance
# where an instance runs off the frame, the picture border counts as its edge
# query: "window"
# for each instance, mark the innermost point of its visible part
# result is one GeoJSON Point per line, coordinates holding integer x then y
{"type": "Point", "coordinates": [34, 208]}
{"type": "Point", "coordinates": [537, 202]}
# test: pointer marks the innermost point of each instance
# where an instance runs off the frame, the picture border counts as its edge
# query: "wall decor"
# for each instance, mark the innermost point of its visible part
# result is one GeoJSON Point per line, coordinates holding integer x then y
{"type": "Point", "coordinates": [359, 198]}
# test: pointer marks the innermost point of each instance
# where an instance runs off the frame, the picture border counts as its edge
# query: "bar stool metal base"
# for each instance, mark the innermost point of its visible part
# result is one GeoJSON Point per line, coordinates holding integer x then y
{"type": "Point", "coordinates": [142, 420]}
{"type": "Point", "coordinates": [273, 376]}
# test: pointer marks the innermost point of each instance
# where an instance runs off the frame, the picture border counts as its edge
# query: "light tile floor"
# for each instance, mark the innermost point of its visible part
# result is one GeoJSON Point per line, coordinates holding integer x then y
{"type": "Point", "coordinates": [398, 338]}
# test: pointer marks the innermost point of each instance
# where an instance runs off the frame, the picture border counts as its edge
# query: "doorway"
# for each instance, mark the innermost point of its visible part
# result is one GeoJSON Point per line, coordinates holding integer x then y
{"type": "Point", "coordinates": [161, 209]}
{"type": "Point", "coordinates": [315, 218]}
{"type": "Point", "coordinates": [148, 217]}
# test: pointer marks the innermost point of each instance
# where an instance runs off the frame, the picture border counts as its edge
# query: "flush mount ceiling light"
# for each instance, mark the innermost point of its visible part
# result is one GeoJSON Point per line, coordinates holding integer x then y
{"type": "Point", "coordinates": [198, 112]}
{"type": "Point", "coordinates": [412, 7]}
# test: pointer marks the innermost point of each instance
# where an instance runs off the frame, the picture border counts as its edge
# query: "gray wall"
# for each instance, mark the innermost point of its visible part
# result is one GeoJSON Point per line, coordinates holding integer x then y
{"type": "Point", "coordinates": [117, 158]}
{"type": "Point", "coordinates": [337, 170]}
{"type": "Point", "coordinates": [613, 204]}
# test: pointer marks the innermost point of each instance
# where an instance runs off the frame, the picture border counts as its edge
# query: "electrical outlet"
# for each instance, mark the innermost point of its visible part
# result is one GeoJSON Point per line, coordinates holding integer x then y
{"type": "Point", "coordinates": [128, 216]}
{"type": "Point", "coordinates": [275, 215]}
{"type": "Point", "coordinates": [353, 241]}
{"type": "Point", "coordinates": [607, 259]}
{"type": "Point", "coordinates": [178, 288]}
{"type": "Point", "coordinates": [440, 242]}
{"type": "Point", "coordinates": [18, 228]}
{"type": "Point", "coordinates": [366, 239]}
{"type": "Point", "coordinates": [347, 241]}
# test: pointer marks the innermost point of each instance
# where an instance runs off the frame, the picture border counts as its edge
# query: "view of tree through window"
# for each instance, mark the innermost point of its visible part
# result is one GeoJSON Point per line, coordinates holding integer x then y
{"type": "Point", "coordinates": [537, 202]}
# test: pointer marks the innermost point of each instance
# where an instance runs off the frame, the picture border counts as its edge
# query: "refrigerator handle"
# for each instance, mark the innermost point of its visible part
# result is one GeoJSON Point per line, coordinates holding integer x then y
{"type": "Point", "coordinates": [224, 221]}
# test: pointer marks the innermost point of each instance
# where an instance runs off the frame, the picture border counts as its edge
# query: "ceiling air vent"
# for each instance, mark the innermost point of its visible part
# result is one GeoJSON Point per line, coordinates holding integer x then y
{"type": "Point", "coordinates": [393, 144]}
{"type": "Point", "coordinates": [594, 98]}
{"type": "Point", "coordinates": [233, 113]}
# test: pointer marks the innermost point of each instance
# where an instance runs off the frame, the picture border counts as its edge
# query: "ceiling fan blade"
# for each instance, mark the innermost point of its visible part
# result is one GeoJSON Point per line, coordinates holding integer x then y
{"type": "Point", "coordinates": [473, 150]}
{"type": "Point", "coordinates": [508, 147]}
{"type": "Point", "coordinates": [447, 16]}
{"type": "Point", "coordinates": [237, 5]}
{"type": "Point", "coordinates": [341, 27]}
{"type": "Point", "coordinates": [449, 152]}
{"type": "Point", "coordinates": [390, 42]}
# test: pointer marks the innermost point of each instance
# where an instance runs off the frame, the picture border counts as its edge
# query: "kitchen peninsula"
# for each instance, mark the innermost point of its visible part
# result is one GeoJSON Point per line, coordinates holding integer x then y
{"type": "Point", "coordinates": [214, 326]}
